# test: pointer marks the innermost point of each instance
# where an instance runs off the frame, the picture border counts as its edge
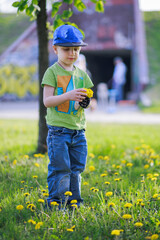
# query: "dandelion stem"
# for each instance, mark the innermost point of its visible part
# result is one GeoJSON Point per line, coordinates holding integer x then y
{"type": "Point", "coordinates": [116, 212]}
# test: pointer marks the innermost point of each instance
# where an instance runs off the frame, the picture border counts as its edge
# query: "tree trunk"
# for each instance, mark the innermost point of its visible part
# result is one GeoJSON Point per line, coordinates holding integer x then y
{"type": "Point", "coordinates": [43, 64]}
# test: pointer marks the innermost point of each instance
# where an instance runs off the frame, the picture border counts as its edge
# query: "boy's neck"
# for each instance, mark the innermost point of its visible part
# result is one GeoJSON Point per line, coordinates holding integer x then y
{"type": "Point", "coordinates": [65, 67]}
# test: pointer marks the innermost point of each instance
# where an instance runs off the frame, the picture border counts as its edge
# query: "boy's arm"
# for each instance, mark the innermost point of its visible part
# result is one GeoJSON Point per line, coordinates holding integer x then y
{"type": "Point", "coordinates": [50, 100]}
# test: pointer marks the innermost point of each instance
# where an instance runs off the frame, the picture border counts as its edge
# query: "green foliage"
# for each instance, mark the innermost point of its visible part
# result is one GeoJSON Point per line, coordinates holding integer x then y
{"type": "Point", "coordinates": [152, 26]}
{"type": "Point", "coordinates": [55, 8]}
{"type": "Point", "coordinates": [99, 6]}
{"type": "Point", "coordinates": [79, 5]}
{"type": "Point", "coordinates": [11, 27]}
{"type": "Point", "coordinates": [122, 159]}
{"type": "Point", "coordinates": [152, 93]}
{"type": "Point", "coordinates": [18, 80]}
{"type": "Point", "coordinates": [31, 8]}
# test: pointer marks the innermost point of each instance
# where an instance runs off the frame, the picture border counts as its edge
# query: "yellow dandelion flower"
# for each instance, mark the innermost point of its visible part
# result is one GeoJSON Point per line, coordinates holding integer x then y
{"type": "Point", "coordinates": [115, 232]}
{"type": "Point", "coordinates": [91, 155]}
{"type": "Point", "coordinates": [106, 158]}
{"type": "Point", "coordinates": [127, 216]}
{"type": "Point", "coordinates": [103, 174]}
{"type": "Point", "coordinates": [128, 205]}
{"type": "Point", "coordinates": [27, 202]}
{"type": "Point", "coordinates": [107, 183]}
{"type": "Point", "coordinates": [156, 175]}
{"type": "Point", "coordinates": [96, 190]}
{"type": "Point", "coordinates": [117, 179]}
{"type": "Point", "coordinates": [45, 194]}
{"type": "Point", "coordinates": [36, 164]}
{"type": "Point", "coordinates": [129, 164]}
{"type": "Point", "coordinates": [19, 207]}
{"type": "Point", "coordinates": [140, 200]}
{"type": "Point", "coordinates": [74, 205]}
{"type": "Point", "coordinates": [54, 203]}
{"type": "Point", "coordinates": [142, 204]}
{"type": "Point", "coordinates": [32, 221]}
{"type": "Point", "coordinates": [14, 162]}
{"type": "Point", "coordinates": [154, 236]}
{"type": "Point", "coordinates": [123, 161]}
{"type": "Point", "coordinates": [73, 227]}
{"type": "Point", "coordinates": [118, 166]}
{"type": "Point", "coordinates": [91, 168]}
{"type": "Point", "coordinates": [69, 230]}
{"type": "Point", "coordinates": [154, 179]}
{"type": "Point", "coordinates": [40, 200]}
{"type": "Point", "coordinates": [146, 166]}
{"type": "Point", "coordinates": [68, 193]}
{"type": "Point", "coordinates": [138, 224]}
{"type": "Point", "coordinates": [43, 190]}
{"type": "Point", "coordinates": [92, 188]}
{"type": "Point", "coordinates": [26, 194]}
{"type": "Point", "coordinates": [26, 156]}
{"type": "Point", "coordinates": [35, 176]}
{"type": "Point", "coordinates": [85, 183]}
{"type": "Point", "coordinates": [91, 208]}
{"type": "Point", "coordinates": [149, 175]}
{"type": "Point", "coordinates": [111, 204]}
{"type": "Point", "coordinates": [89, 92]}
{"type": "Point", "coordinates": [113, 165]}
{"type": "Point", "coordinates": [100, 157]}
{"type": "Point", "coordinates": [109, 194]}
{"type": "Point", "coordinates": [155, 195]}
{"type": "Point", "coordinates": [38, 225]}
{"type": "Point", "coordinates": [74, 201]}
{"type": "Point", "coordinates": [116, 173]}
{"type": "Point", "coordinates": [22, 181]}
{"type": "Point", "coordinates": [31, 206]}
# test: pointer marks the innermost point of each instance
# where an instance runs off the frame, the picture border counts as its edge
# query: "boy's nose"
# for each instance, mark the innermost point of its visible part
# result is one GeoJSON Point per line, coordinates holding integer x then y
{"type": "Point", "coordinates": [72, 51]}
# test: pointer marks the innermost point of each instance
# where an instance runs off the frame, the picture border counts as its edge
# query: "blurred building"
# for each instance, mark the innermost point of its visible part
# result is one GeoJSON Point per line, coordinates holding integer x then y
{"type": "Point", "coordinates": [119, 31]}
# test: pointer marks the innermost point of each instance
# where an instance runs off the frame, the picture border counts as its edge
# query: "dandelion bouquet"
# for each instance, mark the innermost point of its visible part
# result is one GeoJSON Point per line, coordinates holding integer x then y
{"type": "Point", "coordinates": [86, 101]}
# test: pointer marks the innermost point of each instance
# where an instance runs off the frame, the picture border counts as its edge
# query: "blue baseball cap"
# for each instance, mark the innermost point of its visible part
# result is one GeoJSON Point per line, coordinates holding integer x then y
{"type": "Point", "coordinates": [68, 36]}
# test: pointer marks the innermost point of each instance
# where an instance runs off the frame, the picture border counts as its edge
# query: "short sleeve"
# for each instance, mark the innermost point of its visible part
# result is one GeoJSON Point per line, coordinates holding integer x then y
{"type": "Point", "coordinates": [49, 78]}
{"type": "Point", "coordinates": [88, 81]}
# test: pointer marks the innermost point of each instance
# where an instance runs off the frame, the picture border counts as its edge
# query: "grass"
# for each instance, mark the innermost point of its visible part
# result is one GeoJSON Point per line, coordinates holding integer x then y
{"type": "Point", "coordinates": [120, 185]}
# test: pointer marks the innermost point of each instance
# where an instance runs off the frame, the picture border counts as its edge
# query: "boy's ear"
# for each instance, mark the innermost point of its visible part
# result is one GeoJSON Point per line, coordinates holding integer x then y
{"type": "Point", "coordinates": [55, 49]}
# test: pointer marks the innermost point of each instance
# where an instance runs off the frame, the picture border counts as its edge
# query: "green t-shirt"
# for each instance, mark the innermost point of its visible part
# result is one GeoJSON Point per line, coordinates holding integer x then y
{"type": "Point", "coordinates": [65, 115]}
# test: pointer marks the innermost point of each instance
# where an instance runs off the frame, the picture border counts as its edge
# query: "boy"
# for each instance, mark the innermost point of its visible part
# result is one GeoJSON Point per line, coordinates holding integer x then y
{"type": "Point", "coordinates": [64, 86]}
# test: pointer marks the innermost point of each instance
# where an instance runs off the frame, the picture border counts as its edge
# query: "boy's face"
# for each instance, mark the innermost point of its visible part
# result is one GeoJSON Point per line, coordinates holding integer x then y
{"type": "Point", "coordinates": [67, 55]}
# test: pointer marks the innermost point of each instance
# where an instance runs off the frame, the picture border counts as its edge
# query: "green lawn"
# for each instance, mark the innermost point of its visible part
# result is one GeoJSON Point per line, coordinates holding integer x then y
{"type": "Point", "coordinates": [120, 185]}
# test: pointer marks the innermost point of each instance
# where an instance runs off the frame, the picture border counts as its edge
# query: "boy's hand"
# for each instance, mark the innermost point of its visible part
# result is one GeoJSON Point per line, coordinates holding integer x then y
{"type": "Point", "coordinates": [77, 95]}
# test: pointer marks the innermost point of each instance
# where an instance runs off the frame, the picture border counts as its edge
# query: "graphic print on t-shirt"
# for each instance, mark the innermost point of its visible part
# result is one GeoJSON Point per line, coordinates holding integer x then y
{"type": "Point", "coordinates": [65, 84]}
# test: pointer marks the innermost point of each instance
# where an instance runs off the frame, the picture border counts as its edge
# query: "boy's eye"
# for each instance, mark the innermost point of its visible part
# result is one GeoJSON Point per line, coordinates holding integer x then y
{"type": "Point", "coordinates": [66, 49]}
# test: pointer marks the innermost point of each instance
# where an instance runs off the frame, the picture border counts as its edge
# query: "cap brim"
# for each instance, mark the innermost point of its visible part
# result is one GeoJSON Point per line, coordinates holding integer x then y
{"type": "Point", "coordinates": [80, 44]}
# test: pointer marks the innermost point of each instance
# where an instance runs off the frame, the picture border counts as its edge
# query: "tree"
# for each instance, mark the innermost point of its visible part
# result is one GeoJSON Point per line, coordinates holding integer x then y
{"type": "Point", "coordinates": [36, 9]}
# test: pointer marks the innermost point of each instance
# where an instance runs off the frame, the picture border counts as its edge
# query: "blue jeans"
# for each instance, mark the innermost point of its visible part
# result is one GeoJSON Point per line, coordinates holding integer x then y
{"type": "Point", "coordinates": [67, 151]}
